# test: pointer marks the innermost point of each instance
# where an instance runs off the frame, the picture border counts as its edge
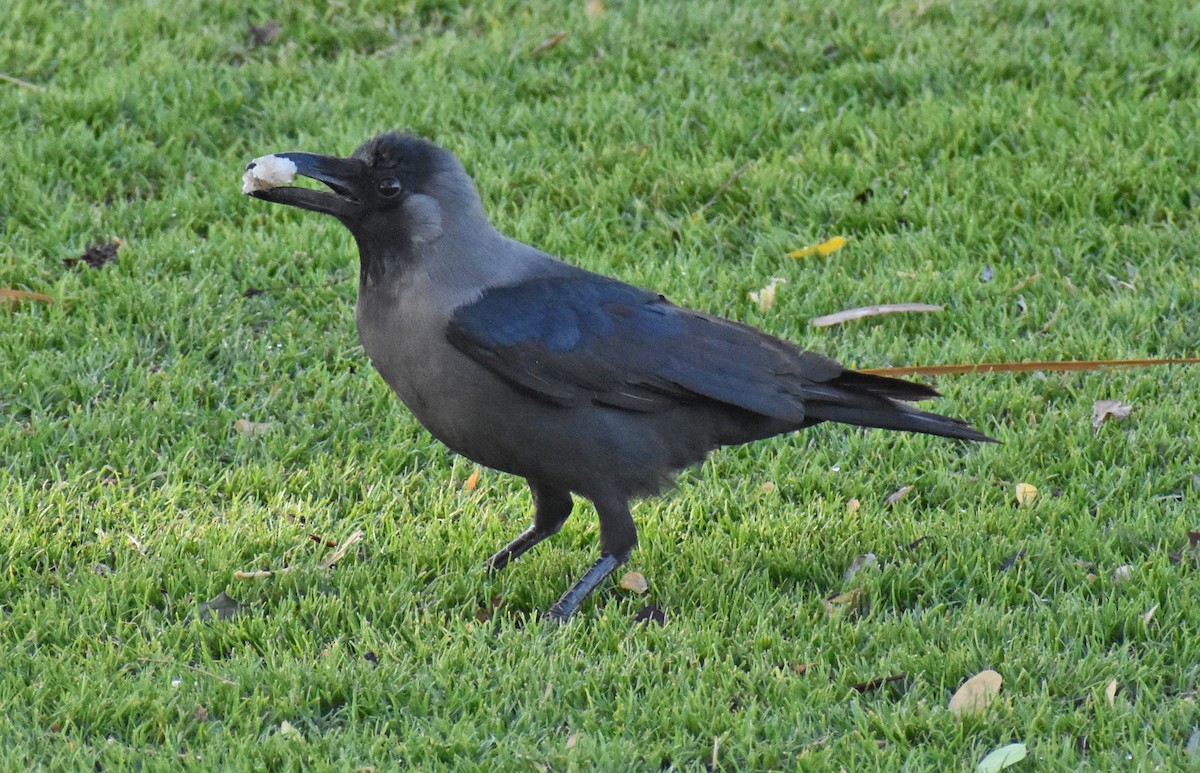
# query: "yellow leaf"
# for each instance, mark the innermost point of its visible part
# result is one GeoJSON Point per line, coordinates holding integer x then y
{"type": "Point", "coordinates": [823, 249]}
{"type": "Point", "coordinates": [976, 694]}
{"type": "Point", "coordinates": [472, 481]}
{"type": "Point", "coordinates": [1026, 493]}
{"type": "Point", "coordinates": [1110, 692]}
{"type": "Point", "coordinates": [853, 505]}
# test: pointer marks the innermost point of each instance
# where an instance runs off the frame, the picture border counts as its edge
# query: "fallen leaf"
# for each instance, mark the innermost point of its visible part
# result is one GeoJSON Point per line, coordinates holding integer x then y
{"type": "Point", "coordinates": [252, 428]}
{"type": "Point", "coordinates": [572, 739]}
{"type": "Point", "coordinates": [473, 480]}
{"type": "Point", "coordinates": [897, 495]}
{"type": "Point", "coordinates": [221, 606]}
{"type": "Point", "coordinates": [1025, 493]}
{"type": "Point", "coordinates": [1103, 410]}
{"type": "Point", "coordinates": [824, 249]}
{"type": "Point", "coordinates": [875, 684]}
{"type": "Point", "coordinates": [1001, 758]}
{"type": "Point", "coordinates": [849, 315]}
{"type": "Point", "coordinates": [200, 714]}
{"type": "Point", "coordinates": [765, 298]}
{"type": "Point", "coordinates": [865, 561]}
{"type": "Point", "coordinates": [483, 615]}
{"type": "Point", "coordinates": [594, 9]}
{"type": "Point", "coordinates": [853, 505]}
{"type": "Point", "coordinates": [1146, 618]}
{"type": "Point", "coordinates": [548, 44]}
{"type": "Point", "coordinates": [1122, 573]}
{"type": "Point", "coordinates": [976, 694]}
{"type": "Point", "coordinates": [96, 256]}
{"type": "Point", "coordinates": [288, 730]}
{"type": "Point", "coordinates": [1110, 692]}
{"type": "Point", "coordinates": [8, 294]}
{"type": "Point", "coordinates": [636, 582]}
{"type": "Point", "coordinates": [766, 488]}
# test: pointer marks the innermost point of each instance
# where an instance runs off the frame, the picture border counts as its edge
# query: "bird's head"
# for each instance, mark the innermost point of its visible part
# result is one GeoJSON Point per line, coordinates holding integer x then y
{"type": "Point", "coordinates": [394, 192]}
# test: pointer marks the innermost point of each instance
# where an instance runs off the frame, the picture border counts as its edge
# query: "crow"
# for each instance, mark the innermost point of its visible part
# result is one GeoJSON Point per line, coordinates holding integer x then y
{"type": "Point", "coordinates": [578, 383]}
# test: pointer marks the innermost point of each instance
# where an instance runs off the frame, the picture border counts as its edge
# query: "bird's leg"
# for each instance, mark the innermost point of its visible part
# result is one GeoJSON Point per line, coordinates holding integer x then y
{"type": "Point", "coordinates": [550, 509]}
{"type": "Point", "coordinates": [618, 538]}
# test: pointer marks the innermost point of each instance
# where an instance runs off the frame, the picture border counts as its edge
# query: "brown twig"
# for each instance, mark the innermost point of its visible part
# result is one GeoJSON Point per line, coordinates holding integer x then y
{"type": "Point", "coordinates": [18, 82]}
{"type": "Point", "coordinates": [1025, 367]}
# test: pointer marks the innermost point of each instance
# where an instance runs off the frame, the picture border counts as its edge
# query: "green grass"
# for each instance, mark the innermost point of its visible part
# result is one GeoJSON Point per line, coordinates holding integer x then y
{"type": "Point", "coordinates": [941, 138]}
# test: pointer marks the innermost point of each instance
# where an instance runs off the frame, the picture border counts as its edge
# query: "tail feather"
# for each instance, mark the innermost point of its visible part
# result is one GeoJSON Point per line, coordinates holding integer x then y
{"type": "Point", "coordinates": [865, 400]}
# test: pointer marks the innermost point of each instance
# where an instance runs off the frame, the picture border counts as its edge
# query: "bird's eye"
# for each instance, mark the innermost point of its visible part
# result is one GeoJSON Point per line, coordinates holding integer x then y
{"type": "Point", "coordinates": [389, 187]}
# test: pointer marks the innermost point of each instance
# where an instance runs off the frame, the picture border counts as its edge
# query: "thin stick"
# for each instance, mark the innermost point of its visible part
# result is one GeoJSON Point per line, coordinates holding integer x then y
{"type": "Point", "coordinates": [18, 82]}
{"type": "Point", "coordinates": [1025, 367]}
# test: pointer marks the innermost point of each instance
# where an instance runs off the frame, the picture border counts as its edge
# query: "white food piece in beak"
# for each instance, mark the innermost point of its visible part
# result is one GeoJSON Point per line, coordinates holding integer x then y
{"type": "Point", "coordinates": [266, 172]}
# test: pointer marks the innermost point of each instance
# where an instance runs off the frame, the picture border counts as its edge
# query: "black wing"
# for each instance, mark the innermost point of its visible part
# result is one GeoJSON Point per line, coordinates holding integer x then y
{"type": "Point", "coordinates": [580, 339]}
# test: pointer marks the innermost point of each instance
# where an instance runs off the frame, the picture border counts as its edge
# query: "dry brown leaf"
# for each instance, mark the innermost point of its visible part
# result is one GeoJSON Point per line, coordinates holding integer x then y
{"type": "Point", "coordinates": [483, 615]}
{"type": "Point", "coordinates": [897, 495]}
{"type": "Point", "coordinates": [766, 488]}
{"type": "Point", "coordinates": [1026, 493]}
{"type": "Point", "coordinates": [879, 310]}
{"type": "Point", "coordinates": [594, 9]}
{"type": "Point", "coordinates": [853, 505]}
{"type": "Point", "coordinates": [252, 428]}
{"type": "Point", "coordinates": [473, 480]}
{"type": "Point", "coordinates": [976, 694]}
{"type": "Point", "coordinates": [1110, 693]}
{"type": "Point", "coordinates": [8, 294]}
{"type": "Point", "coordinates": [548, 44]}
{"type": "Point", "coordinates": [636, 582]}
{"type": "Point", "coordinates": [1103, 410]}
{"type": "Point", "coordinates": [765, 298]}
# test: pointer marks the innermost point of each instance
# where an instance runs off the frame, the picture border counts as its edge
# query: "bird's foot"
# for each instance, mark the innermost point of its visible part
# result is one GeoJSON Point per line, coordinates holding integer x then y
{"type": "Point", "coordinates": [571, 600]}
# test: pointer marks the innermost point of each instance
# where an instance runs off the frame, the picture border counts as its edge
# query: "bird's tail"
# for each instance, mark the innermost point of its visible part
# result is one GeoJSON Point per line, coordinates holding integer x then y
{"type": "Point", "coordinates": [880, 402]}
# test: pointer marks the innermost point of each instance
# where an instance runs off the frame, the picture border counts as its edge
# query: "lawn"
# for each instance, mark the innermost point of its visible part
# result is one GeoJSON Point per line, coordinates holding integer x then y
{"type": "Point", "coordinates": [200, 407]}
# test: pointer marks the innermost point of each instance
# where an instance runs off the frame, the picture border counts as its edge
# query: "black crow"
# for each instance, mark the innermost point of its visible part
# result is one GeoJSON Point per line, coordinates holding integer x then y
{"type": "Point", "coordinates": [578, 383]}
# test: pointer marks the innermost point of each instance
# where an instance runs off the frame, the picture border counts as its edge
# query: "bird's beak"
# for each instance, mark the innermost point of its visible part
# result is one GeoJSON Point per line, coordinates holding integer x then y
{"type": "Point", "coordinates": [341, 175]}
